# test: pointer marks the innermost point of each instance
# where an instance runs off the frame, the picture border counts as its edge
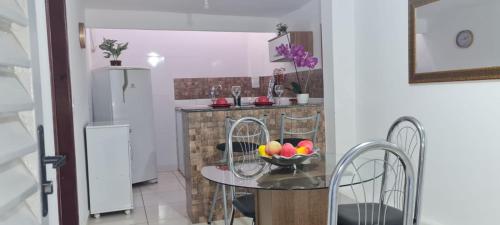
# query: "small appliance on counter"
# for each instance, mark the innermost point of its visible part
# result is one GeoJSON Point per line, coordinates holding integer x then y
{"type": "Point", "coordinates": [108, 167]}
{"type": "Point", "coordinates": [125, 94]}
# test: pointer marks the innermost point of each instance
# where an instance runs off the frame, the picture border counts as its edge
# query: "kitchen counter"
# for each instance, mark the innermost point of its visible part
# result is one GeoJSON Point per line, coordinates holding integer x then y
{"type": "Point", "coordinates": [206, 108]}
{"type": "Point", "coordinates": [200, 128]}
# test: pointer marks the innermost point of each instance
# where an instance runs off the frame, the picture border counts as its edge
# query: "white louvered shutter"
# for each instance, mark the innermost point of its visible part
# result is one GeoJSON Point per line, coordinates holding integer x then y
{"type": "Point", "coordinates": [19, 164]}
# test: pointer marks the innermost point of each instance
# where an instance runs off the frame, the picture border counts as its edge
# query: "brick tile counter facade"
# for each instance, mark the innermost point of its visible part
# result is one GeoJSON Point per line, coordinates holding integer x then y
{"type": "Point", "coordinates": [203, 130]}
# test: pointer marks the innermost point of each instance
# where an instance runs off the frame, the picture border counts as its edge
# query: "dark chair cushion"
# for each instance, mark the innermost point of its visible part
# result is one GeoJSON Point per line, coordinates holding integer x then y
{"type": "Point", "coordinates": [349, 214]}
{"type": "Point", "coordinates": [238, 146]}
{"type": "Point", "coordinates": [246, 205]}
{"type": "Point", "coordinates": [293, 141]}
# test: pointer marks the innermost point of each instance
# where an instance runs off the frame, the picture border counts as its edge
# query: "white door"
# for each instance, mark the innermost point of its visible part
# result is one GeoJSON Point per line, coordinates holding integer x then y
{"type": "Point", "coordinates": [25, 105]}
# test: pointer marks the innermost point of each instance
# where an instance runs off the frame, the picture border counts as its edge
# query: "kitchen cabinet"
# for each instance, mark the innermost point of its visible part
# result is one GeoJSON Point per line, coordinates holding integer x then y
{"type": "Point", "coordinates": [109, 167]}
{"type": "Point", "coordinates": [304, 38]}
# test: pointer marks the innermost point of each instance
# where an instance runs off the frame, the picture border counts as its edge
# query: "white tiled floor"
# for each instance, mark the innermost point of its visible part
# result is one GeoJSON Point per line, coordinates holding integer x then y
{"type": "Point", "coordinates": [163, 203]}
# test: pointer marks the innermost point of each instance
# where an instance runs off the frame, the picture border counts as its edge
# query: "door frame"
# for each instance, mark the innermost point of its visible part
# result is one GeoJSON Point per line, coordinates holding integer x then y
{"type": "Point", "coordinates": [62, 110]}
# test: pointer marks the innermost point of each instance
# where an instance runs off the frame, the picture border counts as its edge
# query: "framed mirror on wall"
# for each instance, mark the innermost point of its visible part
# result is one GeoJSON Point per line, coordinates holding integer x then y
{"type": "Point", "coordinates": [454, 40]}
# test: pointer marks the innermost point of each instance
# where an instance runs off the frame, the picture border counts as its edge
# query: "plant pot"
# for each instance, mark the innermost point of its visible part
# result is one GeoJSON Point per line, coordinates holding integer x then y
{"type": "Point", "coordinates": [116, 62]}
{"type": "Point", "coordinates": [302, 99]}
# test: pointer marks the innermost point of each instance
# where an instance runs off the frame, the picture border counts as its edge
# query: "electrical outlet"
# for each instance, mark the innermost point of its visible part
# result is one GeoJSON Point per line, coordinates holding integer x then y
{"type": "Point", "coordinates": [255, 82]}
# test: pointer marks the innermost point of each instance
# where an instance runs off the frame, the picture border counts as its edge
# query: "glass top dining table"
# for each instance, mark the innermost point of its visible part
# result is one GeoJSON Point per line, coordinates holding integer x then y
{"type": "Point", "coordinates": [315, 174]}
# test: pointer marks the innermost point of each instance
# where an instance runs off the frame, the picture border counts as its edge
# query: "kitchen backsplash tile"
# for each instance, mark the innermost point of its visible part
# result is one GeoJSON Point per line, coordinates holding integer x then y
{"type": "Point", "coordinates": [199, 88]}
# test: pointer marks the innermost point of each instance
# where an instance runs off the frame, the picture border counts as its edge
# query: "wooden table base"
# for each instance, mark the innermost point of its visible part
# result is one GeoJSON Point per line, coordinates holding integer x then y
{"type": "Point", "coordinates": [292, 207]}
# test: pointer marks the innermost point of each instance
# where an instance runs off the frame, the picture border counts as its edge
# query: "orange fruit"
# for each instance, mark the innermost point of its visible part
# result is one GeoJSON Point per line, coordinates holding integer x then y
{"type": "Point", "coordinates": [302, 150]}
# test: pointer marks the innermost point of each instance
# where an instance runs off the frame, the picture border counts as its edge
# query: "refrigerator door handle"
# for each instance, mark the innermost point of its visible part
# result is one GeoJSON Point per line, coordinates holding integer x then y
{"type": "Point", "coordinates": [125, 83]}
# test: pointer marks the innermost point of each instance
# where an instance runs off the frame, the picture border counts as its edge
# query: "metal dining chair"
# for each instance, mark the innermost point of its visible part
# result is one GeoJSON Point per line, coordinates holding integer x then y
{"type": "Point", "coordinates": [295, 129]}
{"type": "Point", "coordinates": [228, 123]}
{"type": "Point", "coordinates": [409, 135]}
{"type": "Point", "coordinates": [389, 189]}
{"type": "Point", "coordinates": [239, 147]}
{"type": "Point", "coordinates": [247, 164]}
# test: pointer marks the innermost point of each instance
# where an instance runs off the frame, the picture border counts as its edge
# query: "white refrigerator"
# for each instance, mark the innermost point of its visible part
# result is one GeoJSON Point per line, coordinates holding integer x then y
{"type": "Point", "coordinates": [125, 94]}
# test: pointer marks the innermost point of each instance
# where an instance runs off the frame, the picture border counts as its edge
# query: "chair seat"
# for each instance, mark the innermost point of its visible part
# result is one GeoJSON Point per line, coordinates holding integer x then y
{"type": "Point", "coordinates": [238, 146]}
{"type": "Point", "coordinates": [293, 141]}
{"type": "Point", "coordinates": [349, 214]}
{"type": "Point", "coordinates": [246, 205]}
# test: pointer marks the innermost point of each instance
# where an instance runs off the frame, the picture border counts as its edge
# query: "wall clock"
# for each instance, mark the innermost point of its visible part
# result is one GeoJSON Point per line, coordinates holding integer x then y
{"type": "Point", "coordinates": [465, 38]}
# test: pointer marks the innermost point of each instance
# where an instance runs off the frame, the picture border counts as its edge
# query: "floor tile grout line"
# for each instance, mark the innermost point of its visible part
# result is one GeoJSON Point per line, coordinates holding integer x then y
{"type": "Point", "coordinates": [144, 207]}
{"type": "Point", "coordinates": [179, 180]}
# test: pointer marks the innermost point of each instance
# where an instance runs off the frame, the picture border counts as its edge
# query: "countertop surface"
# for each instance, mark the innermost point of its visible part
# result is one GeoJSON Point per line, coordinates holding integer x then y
{"type": "Point", "coordinates": [206, 108]}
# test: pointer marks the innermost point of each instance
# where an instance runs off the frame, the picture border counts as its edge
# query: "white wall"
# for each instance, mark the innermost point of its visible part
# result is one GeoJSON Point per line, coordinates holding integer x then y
{"type": "Point", "coordinates": [306, 18]}
{"type": "Point", "coordinates": [187, 55]}
{"type": "Point", "coordinates": [126, 19]}
{"type": "Point", "coordinates": [258, 55]}
{"type": "Point", "coordinates": [328, 79]}
{"type": "Point", "coordinates": [437, 46]}
{"type": "Point", "coordinates": [344, 75]}
{"type": "Point", "coordinates": [460, 118]}
{"type": "Point", "coordinates": [80, 97]}
{"type": "Point", "coordinates": [192, 54]}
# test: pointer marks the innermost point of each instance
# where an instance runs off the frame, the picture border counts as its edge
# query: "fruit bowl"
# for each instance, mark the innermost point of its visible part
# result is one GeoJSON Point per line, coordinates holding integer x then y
{"type": "Point", "coordinates": [295, 160]}
{"type": "Point", "coordinates": [287, 155]}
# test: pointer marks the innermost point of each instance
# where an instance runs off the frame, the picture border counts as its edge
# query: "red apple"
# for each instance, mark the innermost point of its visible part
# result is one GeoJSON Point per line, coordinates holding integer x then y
{"type": "Point", "coordinates": [288, 150]}
{"type": "Point", "coordinates": [262, 99]}
{"type": "Point", "coordinates": [273, 148]}
{"type": "Point", "coordinates": [221, 101]}
{"type": "Point", "coordinates": [307, 144]}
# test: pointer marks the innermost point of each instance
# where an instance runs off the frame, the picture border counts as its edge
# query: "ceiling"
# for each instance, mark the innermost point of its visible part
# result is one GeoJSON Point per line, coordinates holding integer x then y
{"type": "Point", "coordinates": [257, 8]}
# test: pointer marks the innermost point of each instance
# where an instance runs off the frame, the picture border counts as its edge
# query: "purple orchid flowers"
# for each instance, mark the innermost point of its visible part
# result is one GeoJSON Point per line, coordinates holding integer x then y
{"type": "Point", "coordinates": [298, 55]}
{"type": "Point", "coordinates": [300, 58]}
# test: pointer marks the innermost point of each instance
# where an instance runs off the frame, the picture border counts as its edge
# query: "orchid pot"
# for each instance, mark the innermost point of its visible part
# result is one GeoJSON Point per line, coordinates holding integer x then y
{"type": "Point", "coordinates": [302, 99]}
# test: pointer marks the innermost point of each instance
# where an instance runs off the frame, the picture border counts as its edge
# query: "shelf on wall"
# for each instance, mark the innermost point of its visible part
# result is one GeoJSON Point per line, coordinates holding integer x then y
{"type": "Point", "coordinates": [304, 38]}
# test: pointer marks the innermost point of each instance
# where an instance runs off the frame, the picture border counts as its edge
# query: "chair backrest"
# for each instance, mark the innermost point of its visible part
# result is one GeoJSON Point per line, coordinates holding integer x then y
{"type": "Point", "coordinates": [373, 206]}
{"type": "Point", "coordinates": [409, 135]}
{"type": "Point", "coordinates": [230, 121]}
{"type": "Point", "coordinates": [247, 134]}
{"type": "Point", "coordinates": [303, 127]}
